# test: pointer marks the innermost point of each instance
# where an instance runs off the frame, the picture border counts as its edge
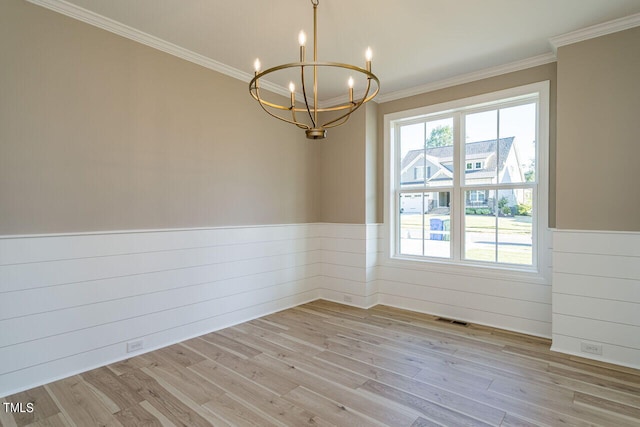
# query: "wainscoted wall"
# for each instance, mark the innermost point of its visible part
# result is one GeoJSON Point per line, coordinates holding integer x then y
{"type": "Point", "coordinates": [69, 303]}
{"type": "Point", "coordinates": [596, 294]}
{"type": "Point", "coordinates": [349, 257]}
{"type": "Point", "coordinates": [511, 304]}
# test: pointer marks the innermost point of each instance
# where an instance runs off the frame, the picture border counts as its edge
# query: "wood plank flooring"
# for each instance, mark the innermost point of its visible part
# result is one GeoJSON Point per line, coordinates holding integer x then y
{"type": "Point", "coordinates": [323, 364]}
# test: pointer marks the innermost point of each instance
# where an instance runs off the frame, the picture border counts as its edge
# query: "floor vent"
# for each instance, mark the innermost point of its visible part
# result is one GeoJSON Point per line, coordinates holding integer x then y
{"type": "Point", "coordinates": [452, 321]}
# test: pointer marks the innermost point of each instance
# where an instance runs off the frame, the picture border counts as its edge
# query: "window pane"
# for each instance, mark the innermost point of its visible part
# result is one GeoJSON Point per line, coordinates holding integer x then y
{"type": "Point", "coordinates": [481, 130]}
{"type": "Point", "coordinates": [425, 224]}
{"type": "Point", "coordinates": [437, 225]}
{"type": "Point", "coordinates": [426, 154]}
{"type": "Point", "coordinates": [412, 155]}
{"type": "Point", "coordinates": [411, 223]}
{"type": "Point", "coordinates": [515, 231]}
{"type": "Point", "coordinates": [517, 143]}
{"type": "Point", "coordinates": [480, 226]}
{"type": "Point", "coordinates": [439, 153]}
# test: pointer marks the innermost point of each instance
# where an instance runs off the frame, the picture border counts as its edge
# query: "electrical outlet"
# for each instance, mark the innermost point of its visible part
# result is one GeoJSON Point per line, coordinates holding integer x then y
{"type": "Point", "coordinates": [588, 347]}
{"type": "Point", "coordinates": [135, 346]}
{"type": "Point", "coordinates": [348, 298]}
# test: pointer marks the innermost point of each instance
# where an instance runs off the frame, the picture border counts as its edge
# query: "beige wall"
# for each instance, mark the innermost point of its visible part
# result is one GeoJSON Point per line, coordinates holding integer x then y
{"type": "Point", "coordinates": [101, 133]}
{"type": "Point", "coordinates": [505, 81]}
{"type": "Point", "coordinates": [347, 170]}
{"type": "Point", "coordinates": [371, 162]}
{"type": "Point", "coordinates": [341, 172]}
{"type": "Point", "coordinates": [599, 133]}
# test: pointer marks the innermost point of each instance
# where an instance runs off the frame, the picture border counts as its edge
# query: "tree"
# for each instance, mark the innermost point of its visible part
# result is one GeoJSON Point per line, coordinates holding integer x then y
{"type": "Point", "coordinates": [440, 137]}
{"type": "Point", "coordinates": [530, 174]}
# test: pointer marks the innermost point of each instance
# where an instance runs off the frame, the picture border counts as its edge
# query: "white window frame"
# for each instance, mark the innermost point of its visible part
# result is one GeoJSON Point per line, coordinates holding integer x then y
{"type": "Point", "coordinates": [539, 271]}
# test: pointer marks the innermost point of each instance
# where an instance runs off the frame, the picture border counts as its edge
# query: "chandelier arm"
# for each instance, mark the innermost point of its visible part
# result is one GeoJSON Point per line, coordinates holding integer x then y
{"type": "Point", "coordinates": [254, 91]}
{"type": "Point", "coordinates": [331, 124]}
{"type": "Point", "coordinates": [304, 93]}
{"type": "Point", "coordinates": [295, 121]}
{"type": "Point", "coordinates": [345, 118]}
{"type": "Point", "coordinates": [300, 125]}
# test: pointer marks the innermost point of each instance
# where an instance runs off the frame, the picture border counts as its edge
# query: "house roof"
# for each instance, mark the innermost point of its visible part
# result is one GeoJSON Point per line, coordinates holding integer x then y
{"type": "Point", "coordinates": [474, 150]}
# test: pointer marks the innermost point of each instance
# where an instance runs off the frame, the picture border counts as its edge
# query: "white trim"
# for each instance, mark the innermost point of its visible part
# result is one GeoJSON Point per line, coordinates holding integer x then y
{"type": "Point", "coordinates": [73, 11]}
{"type": "Point", "coordinates": [538, 272]}
{"type": "Point", "coordinates": [613, 361]}
{"type": "Point", "coordinates": [150, 230]}
{"type": "Point", "coordinates": [594, 31]}
{"type": "Point", "coordinates": [467, 270]}
{"type": "Point", "coordinates": [566, 231]}
{"type": "Point", "coordinates": [511, 67]}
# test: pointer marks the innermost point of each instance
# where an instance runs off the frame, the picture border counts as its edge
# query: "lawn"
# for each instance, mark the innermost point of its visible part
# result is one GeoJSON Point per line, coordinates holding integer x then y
{"type": "Point", "coordinates": [508, 225]}
{"type": "Point", "coordinates": [514, 236]}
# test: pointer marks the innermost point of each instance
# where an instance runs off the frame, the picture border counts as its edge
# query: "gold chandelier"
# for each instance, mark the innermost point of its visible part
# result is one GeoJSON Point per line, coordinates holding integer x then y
{"type": "Point", "coordinates": [310, 110]}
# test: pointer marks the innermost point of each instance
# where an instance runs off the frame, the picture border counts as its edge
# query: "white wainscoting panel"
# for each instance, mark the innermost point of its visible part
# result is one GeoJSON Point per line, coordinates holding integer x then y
{"type": "Point", "coordinates": [69, 303]}
{"type": "Point", "coordinates": [506, 304]}
{"type": "Point", "coordinates": [349, 258]}
{"type": "Point", "coordinates": [596, 294]}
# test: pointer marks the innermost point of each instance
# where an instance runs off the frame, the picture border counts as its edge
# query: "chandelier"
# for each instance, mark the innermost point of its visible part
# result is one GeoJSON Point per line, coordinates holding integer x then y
{"type": "Point", "coordinates": [305, 114]}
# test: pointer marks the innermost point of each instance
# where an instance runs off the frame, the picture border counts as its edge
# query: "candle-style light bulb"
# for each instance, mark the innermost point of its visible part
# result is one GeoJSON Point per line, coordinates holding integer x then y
{"type": "Point", "coordinates": [302, 39]}
{"type": "Point", "coordinates": [292, 89]}
{"type": "Point", "coordinates": [350, 83]}
{"type": "Point", "coordinates": [368, 55]}
{"type": "Point", "coordinates": [256, 65]}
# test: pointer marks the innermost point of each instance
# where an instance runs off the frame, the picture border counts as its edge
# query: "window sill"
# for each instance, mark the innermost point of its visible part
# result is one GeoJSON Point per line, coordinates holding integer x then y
{"type": "Point", "coordinates": [528, 275]}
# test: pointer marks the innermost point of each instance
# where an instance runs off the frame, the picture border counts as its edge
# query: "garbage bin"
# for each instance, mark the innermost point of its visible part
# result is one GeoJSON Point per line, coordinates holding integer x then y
{"type": "Point", "coordinates": [446, 227]}
{"type": "Point", "coordinates": [435, 224]}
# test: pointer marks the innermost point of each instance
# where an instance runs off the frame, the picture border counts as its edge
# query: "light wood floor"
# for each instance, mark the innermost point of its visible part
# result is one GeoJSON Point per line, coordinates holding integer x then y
{"type": "Point", "coordinates": [326, 364]}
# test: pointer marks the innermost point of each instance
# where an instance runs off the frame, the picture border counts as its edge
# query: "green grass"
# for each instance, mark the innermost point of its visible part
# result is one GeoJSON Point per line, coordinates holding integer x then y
{"type": "Point", "coordinates": [480, 224]}
{"type": "Point", "coordinates": [508, 256]}
{"type": "Point", "coordinates": [506, 225]}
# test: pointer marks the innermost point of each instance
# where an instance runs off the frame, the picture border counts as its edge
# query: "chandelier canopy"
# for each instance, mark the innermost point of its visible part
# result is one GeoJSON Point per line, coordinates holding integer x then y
{"type": "Point", "coordinates": [305, 113]}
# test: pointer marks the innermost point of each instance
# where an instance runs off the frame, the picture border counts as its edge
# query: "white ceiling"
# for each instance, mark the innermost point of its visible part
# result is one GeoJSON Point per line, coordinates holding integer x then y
{"type": "Point", "coordinates": [415, 42]}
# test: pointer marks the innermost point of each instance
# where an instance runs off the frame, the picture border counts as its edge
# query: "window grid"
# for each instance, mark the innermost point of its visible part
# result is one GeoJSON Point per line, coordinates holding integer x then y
{"type": "Point", "coordinates": [459, 188]}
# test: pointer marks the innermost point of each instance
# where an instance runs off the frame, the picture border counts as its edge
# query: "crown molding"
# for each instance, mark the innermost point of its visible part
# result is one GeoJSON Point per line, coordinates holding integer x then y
{"type": "Point", "coordinates": [469, 77]}
{"type": "Point", "coordinates": [594, 31]}
{"type": "Point", "coordinates": [97, 20]}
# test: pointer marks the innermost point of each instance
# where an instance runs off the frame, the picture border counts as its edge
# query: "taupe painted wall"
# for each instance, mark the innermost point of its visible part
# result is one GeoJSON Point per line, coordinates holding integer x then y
{"type": "Point", "coordinates": [505, 81]}
{"type": "Point", "coordinates": [347, 170]}
{"type": "Point", "coordinates": [98, 132]}
{"type": "Point", "coordinates": [371, 162]}
{"type": "Point", "coordinates": [599, 133]}
{"type": "Point", "coordinates": [341, 173]}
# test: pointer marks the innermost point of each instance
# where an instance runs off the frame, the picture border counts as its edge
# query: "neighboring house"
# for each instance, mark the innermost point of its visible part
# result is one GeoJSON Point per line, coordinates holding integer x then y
{"type": "Point", "coordinates": [482, 160]}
